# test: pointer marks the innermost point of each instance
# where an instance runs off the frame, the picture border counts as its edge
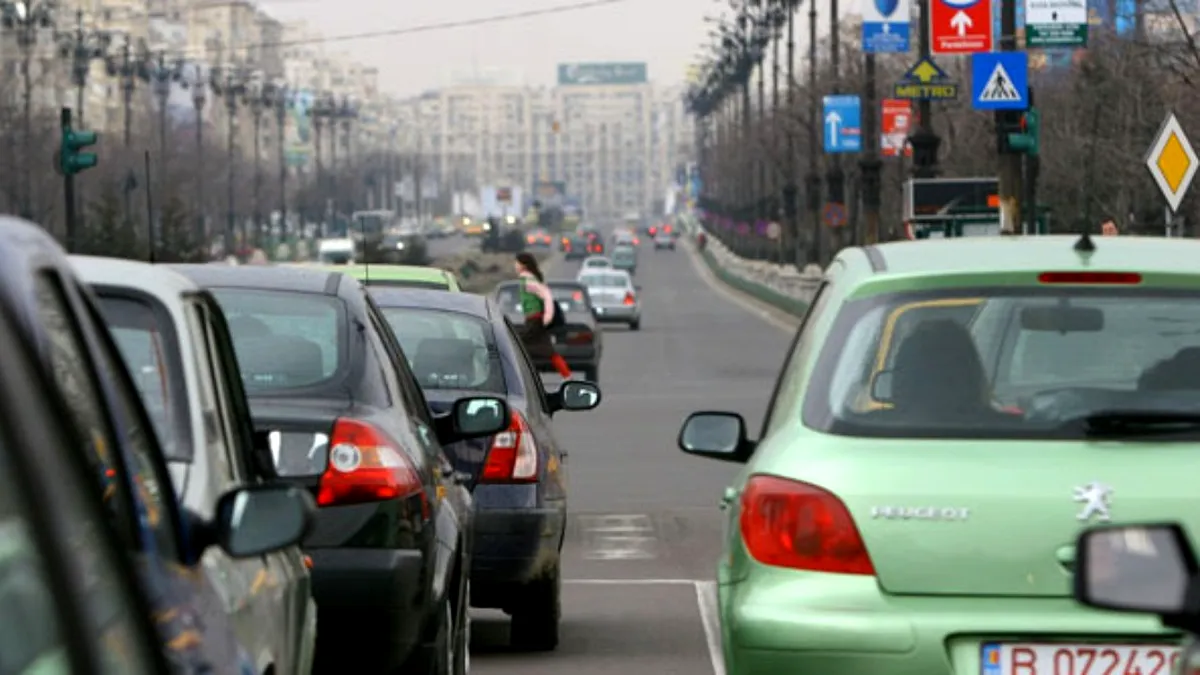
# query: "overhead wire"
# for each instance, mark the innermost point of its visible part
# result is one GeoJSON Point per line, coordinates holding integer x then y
{"type": "Point", "coordinates": [426, 28]}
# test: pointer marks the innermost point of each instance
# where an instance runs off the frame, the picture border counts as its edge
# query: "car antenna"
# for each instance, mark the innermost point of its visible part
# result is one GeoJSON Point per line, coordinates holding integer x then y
{"type": "Point", "coordinates": [1085, 247]}
{"type": "Point", "coordinates": [151, 231]}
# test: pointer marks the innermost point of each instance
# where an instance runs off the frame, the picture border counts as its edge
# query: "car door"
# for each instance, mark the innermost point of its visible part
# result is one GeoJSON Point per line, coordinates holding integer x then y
{"type": "Point", "coordinates": [289, 581]}
{"type": "Point", "coordinates": [553, 457]}
{"type": "Point", "coordinates": [259, 605]}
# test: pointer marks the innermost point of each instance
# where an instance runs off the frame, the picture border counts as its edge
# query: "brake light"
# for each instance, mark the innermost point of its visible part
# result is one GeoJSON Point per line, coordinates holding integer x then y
{"type": "Point", "coordinates": [667, 229]}
{"type": "Point", "coordinates": [629, 299]}
{"type": "Point", "coordinates": [787, 523]}
{"type": "Point", "coordinates": [637, 242]}
{"type": "Point", "coordinates": [365, 465]}
{"type": "Point", "coordinates": [582, 337]}
{"type": "Point", "coordinates": [1090, 278]}
{"type": "Point", "coordinates": [513, 457]}
{"type": "Point", "coordinates": [653, 231]}
{"type": "Point", "coordinates": [577, 296]}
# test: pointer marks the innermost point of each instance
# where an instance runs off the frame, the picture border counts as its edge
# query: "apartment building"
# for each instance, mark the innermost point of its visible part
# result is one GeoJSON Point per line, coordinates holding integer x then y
{"type": "Point", "coordinates": [605, 131]}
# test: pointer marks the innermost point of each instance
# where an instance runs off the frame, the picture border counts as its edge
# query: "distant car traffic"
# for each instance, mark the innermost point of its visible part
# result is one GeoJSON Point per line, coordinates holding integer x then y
{"type": "Point", "coordinates": [462, 346]}
{"type": "Point", "coordinates": [664, 240]}
{"type": "Point", "coordinates": [1036, 387]}
{"type": "Point", "coordinates": [539, 239]}
{"type": "Point", "coordinates": [613, 295]}
{"type": "Point", "coordinates": [596, 262]}
{"type": "Point", "coordinates": [625, 258]}
{"type": "Point", "coordinates": [574, 247]}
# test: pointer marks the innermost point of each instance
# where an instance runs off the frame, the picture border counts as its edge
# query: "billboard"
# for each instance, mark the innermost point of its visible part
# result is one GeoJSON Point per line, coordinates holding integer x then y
{"type": "Point", "coordinates": [551, 193]}
{"type": "Point", "coordinates": [602, 73]}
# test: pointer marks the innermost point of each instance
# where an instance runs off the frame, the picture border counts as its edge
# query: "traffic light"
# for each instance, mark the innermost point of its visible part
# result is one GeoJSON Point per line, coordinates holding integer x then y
{"type": "Point", "coordinates": [1019, 132]}
{"type": "Point", "coordinates": [71, 160]}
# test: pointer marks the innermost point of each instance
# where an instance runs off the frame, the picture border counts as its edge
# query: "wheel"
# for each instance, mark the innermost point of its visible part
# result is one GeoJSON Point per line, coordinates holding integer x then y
{"type": "Point", "coordinates": [439, 657]}
{"type": "Point", "coordinates": [535, 622]}
{"type": "Point", "coordinates": [636, 324]}
{"type": "Point", "coordinates": [462, 652]}
{"type": "Point", "coordinates": [591, 374]}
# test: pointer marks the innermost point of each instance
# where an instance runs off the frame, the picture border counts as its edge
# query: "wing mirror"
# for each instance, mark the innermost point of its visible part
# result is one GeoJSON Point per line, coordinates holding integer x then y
{"type": "Point", "coordinates": [1137, 568]}
{"type": "Point", "coordinates": [716, 435]}
{"type": "Point", "coordinates": [473, 417]}
{"type": "Point", "coordinates": [575, 395]}
{"type": "Point", "coordinates": [256, 520]}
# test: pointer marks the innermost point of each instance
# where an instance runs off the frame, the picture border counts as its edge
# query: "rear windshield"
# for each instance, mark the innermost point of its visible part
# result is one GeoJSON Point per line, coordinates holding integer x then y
{"type": "Point", "coordinates": [448, 350]}
{"type": "Point", "coordinates": [151, 353]}
{"type": "Point", "coordinates": [604, 280]}
{"type": "Point", "coordinates": [284, 339]}
{"type": "Point", "coordinates": [597, 262]}
{"type": "Point", "coordinates": [998, 363]}
{"type": "Point", "coordinates": [570, 298]}
{"type": "Point", "coordinates": [624, 255]}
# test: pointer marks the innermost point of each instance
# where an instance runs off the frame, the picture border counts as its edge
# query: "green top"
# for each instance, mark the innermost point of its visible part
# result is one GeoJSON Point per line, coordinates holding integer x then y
{"type": "Point", "coordinates": [531, 303]}
{"type": "Point", "coordinates": [414, 276]}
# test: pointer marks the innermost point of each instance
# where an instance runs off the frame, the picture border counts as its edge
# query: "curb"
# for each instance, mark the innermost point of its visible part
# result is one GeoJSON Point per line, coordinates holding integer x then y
{"type": "Point", "coordinates": [792, 306]}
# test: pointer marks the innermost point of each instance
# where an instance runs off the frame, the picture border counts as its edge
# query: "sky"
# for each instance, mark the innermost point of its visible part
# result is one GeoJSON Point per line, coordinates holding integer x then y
{"type": "Point", "coordinates": [666, 34]}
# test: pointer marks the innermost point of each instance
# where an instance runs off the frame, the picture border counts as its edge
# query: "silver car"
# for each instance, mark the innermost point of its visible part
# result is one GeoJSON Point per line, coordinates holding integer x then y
{"type": "Point", "coordinates": [614, 296]}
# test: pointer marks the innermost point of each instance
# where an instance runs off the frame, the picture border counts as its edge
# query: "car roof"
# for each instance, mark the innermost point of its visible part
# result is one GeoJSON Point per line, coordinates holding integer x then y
{"type": "Point", "coordinates": [1033, 254]}
{"type": "Point", "coordinates": [160, 281]}
{"type": "Point", "coordinates": [418, 298]}
{"type": "Point", "coordinates": [392, 272]}
{"type": "Point", "coordinates": [264, 277]}
{"type": "Point", "coordinates": [604, 272]}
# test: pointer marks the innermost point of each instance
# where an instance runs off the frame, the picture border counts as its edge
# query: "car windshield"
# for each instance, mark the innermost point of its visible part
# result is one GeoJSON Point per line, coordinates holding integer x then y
{"type": "Point", "coordinates": [448, 350]}
{"type": "Point", "coordinates": [286, 339]}
{"type": "Point", "coordinates": [571, 298]}
{"type": "Point", "coordinates": [997, 363]}
{"type": "Point", "coordinates": [604, 280]}
{"type": "Point", "coordinates": [155, 365]}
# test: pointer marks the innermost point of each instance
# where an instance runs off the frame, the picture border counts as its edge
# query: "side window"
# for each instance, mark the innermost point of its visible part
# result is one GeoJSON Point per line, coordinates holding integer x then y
{"type": "Point", "coordinates": [533, 380]}
{"type": "Point", "coordinates": [213, 424]}
{"type": "Point", "coordinates": [228, 411]}
{"type": "Point", "coordinates": [150, 478]}
{"type": "Point", "coordinates": [74, 377]}
{"type": "Point", "coordinates": [802, 343]}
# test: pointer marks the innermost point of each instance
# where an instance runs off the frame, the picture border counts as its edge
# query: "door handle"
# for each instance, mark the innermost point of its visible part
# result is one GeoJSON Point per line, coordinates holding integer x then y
{"type": "Point", "coordinates": [727, 498]}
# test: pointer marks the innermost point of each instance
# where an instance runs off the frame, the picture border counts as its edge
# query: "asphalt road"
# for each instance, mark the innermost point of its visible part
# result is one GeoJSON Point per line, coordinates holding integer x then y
{"type": "Point", "coordinates": [645, 531]}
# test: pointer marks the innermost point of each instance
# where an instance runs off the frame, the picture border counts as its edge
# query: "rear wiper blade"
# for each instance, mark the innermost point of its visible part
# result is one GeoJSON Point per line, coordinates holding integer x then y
{"type": "Point", "coordinates": [1138, 422]}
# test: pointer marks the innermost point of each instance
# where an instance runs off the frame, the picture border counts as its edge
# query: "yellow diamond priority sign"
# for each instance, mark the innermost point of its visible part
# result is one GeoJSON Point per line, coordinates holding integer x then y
{"type": "Point", "coordinates": [1172, 162]}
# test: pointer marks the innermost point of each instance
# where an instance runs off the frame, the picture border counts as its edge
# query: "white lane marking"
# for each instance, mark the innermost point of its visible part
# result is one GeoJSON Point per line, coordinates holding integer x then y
{"type": "Point", "coordinates": [706, 599]}
{"type": "Point", "coordinates": [737, 298]}
{"type": "Point", "coordinates": [633, 582]}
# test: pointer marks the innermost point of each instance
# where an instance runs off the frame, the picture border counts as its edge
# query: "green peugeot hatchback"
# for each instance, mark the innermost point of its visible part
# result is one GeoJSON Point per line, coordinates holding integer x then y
{"type": "Point", "coordinates": [950, 415]}
{"type": "Point", "coordinates": [408, 276]}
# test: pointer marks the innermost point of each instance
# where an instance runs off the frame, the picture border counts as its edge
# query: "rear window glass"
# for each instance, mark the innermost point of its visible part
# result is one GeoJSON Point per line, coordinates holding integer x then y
{"type": "Point", "coordinates": [624, 255]}
{"type": "Point", "coordinates": [284, 339]}
{"type": "Point", "coordinates": [151, 354]}
{"type": "Point", "coordinates": [448, 350]}
{"type": "Point", "coordinates": [597, 262]}
{"type": "Point", "coordinates": [1020, 362]}
{"type": "Point", "coordinates": [570, 298]}
{"type": "Point", "coordinates": [604, 280]}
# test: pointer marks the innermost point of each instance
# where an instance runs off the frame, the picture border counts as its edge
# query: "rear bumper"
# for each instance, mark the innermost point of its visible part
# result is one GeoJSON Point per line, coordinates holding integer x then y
{"type": "Point", "coordinates": [617, 313]}
{"type": "Point", "coordinates": [372, 605]}
{"type": "Point", "coordinates": [514, 546]}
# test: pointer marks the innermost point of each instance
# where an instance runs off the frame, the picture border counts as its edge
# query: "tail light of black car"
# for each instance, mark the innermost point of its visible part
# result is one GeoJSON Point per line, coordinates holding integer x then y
{"type": "Point", "coordinates": [366, 465]}
{"type": "Point", "coordinates": [579, 337]}
{"type": "Point", "coordinates": [513, 457]}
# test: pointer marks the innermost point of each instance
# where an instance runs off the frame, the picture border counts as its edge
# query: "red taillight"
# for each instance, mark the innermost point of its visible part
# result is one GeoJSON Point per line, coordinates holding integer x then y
{"type": "Point", "coordinates": [653, 231]}
{"type": "Point", "coordinates": [577, 296]}
{"type": "Point", "coordinates": [365, 465]}
{"type": "Point", "coordinates": [1090, 278]}
{"type": "Point", "coordinates": [629, 299]}
{"type": "Point", "coordinates": [513, 457]}
{"type": "Point", "coordinates": [637, 242]}
{"type": "Point", "coordinates": [583, 337]}
{"type": "Point", "coordinates": [667, 229]}
{"type": "Point", "coordinates": [787, 523]}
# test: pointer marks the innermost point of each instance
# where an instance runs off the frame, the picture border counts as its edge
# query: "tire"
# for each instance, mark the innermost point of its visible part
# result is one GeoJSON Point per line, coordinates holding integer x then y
{"type": "Point", "coordinates": [535, 622]}
{"type": "Point", "coordinates": [635, 325]}
{"type": "Point", "coordinates": [439, 656]}
{"type": "Point", "coordinates": [462, 652]}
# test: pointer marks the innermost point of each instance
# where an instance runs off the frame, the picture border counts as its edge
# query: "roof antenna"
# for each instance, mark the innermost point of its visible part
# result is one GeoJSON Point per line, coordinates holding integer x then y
{"type": "Point", "coordinates": [151, 231]}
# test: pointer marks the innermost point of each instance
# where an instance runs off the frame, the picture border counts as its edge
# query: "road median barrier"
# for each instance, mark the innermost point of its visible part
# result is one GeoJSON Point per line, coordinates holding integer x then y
{"type": "Point", "coordinates": [780, 286]}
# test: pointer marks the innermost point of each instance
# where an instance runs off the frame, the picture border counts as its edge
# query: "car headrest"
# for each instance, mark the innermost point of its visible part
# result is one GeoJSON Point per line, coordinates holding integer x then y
{"type": "Point", "coordinates": [279, 361]}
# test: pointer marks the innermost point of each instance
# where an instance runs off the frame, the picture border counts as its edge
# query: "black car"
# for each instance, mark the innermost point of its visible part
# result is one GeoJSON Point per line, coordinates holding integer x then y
{"type": "Point", "coordinates": [574, 247]}
{"type": "Point", "coordinates": [329, 384]}
{"type": "Point", "coordinates": [579, 340]}
{"type": "Point", "coordinates": [462, 345]}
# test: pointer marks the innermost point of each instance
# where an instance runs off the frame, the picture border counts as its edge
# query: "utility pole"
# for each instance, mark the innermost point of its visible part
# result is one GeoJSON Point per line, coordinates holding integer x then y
{"type": "Point", "coordinates": [162, 75]}
{"type": "Point", "coordinates": [761, 212]}
{"type": "Point", "coordinates": [776, 182]}
{"type": "Point", "coordinates": [813, 179]}
{"type": "Point", "coordinates": [870, 165]}
{"type": "Point", "coordinates": [281, 105]}
{"type": "Point", "coordinates": [925, 141]}
{"type": "Point", "coordinates": [26, 18]}
{"type": "Point", "coordinates": [1010, 163]}
{"type": "Point", "coordinates": [199, 97]}
{"type": "Point", "coordinates": [835, 178]}
{"type": "Point", "coordinates": [790, 190]}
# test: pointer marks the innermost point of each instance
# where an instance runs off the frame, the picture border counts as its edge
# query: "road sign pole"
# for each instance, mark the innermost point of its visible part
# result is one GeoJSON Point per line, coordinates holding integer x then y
{"type": "Point", "coordinates": [835, 180]}
{"type": "Point", "coordinates": [870, 164]}
{"type": "Point", "coordinates": [69, 190]}
{"type": "Point", "coordinates": [1010, 163]}
{"type": "Point", "coordinates": [925, 141]}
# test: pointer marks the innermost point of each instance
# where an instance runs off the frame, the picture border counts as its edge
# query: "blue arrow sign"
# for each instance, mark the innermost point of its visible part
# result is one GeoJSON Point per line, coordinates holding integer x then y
{"type": "Point", "coordinates": [1000, 80]}
{"type": "Point", "coordinates": [843, 124]}
{"type": "Point", "coordinates": [885, 26]}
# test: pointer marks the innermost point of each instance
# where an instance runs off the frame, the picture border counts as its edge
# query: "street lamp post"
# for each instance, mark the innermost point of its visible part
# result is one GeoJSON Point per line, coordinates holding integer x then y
{"type": "Point", "coordinates": [281, 102]}
{"type": "Point", "coordinates": [347, 112]}
{"type": "Point", "coordinates": [161, 74]}
{"type": "Point", "coordinates": [130, 66]}
{"type": "Point", "coordinates": [259, 97]}
{"type": "Point", "coordinates": [26, 19]}
{"type": "Point", "coordinates": [196, 81]}
{"type": "Point", "coordinates": [230, 85]}
{"type": "Point", "coordinates": [82, 47]}
{"type": "Point", "coordinates": [321, 109]}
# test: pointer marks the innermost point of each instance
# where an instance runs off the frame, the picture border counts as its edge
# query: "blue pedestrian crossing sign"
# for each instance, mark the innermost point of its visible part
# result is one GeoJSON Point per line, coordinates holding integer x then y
{"type": "Point", "coordinates": [843, 124]}
{"type": "Point", "coordinates": [1000, 81]}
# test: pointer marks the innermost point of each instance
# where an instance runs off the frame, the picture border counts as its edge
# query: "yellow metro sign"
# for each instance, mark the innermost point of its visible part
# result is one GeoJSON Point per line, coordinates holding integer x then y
{"type": "Point", "coordinates": [925, 81]}
{"type": "Point", "coordinates": [1172, 161]}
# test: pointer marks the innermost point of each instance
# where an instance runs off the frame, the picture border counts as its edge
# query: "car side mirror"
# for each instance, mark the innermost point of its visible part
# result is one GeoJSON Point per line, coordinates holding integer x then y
{"type": "Point", "coordinates": [716, 435]}
{"type": "Point", "coordinates": [260, 519]}
{"type": "Point", "coordinates": [474, 417]}
{"type": "Point", "coordinates": [1136, 568]}
{"type": "Point", "coordinates": [575, 395]}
